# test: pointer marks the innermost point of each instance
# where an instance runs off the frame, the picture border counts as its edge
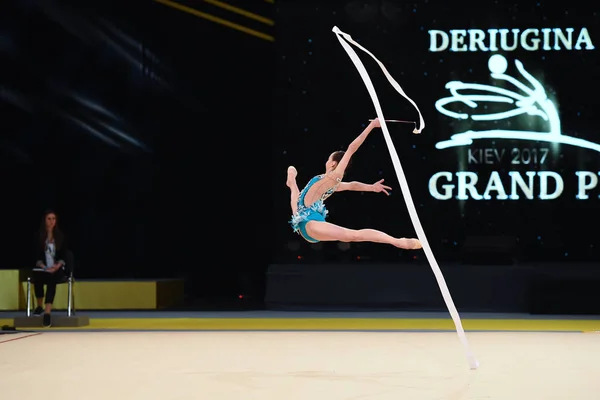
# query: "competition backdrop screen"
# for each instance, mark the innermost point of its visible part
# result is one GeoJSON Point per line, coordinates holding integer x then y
{"type": "Point", "coordinates": [509, 95]}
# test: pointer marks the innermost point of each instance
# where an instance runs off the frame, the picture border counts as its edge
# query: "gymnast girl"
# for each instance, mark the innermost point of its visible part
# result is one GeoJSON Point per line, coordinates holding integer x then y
{"type": "Point", "coordinates": [308, 208]}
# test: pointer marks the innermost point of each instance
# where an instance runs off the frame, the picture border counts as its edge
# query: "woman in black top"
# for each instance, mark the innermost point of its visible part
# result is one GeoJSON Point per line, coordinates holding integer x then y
{"type": "Point", "coordinates": [50, 255]}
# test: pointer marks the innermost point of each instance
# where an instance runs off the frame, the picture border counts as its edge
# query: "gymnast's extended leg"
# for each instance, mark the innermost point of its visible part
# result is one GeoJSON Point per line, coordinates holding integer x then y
{"type": "Point", "coordinates": [294, 191]}
{"type": "Point", "coordinates": [325, 231]}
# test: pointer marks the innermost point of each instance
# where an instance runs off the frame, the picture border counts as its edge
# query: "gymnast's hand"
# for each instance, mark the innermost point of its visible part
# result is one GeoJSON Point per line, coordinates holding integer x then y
{"type": "Point", "coordinates": [375, 123]}
{"type": "Point", "coordinates": [379, 187]}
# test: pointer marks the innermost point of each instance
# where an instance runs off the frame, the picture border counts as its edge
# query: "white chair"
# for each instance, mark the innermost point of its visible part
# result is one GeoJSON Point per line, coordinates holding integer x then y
{"type": "Point", "coordinates": [68, 279]}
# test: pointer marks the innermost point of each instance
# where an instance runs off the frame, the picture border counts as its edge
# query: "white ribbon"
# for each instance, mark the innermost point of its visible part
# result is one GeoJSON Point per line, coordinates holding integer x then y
{"type": "Point", "coordinates": [473, 363]}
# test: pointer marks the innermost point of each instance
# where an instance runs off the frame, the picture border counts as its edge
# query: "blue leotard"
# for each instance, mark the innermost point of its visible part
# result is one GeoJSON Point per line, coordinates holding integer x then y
{"type": "Point", "coordinates": [314, 212]}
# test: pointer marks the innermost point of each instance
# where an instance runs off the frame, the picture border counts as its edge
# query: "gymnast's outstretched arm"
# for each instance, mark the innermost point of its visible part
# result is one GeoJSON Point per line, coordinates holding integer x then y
{"type": "Point", "coordinates": [353, 147]}
{"type": "Point", "coordinates": [354, 186]}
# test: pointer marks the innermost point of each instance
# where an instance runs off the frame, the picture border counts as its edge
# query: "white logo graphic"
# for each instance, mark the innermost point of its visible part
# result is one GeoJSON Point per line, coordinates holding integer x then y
{"type": "Point", "coordinates": [528, 99]}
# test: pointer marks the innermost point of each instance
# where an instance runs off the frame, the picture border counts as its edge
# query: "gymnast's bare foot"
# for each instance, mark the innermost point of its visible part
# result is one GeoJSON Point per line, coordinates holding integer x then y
{"type": "Point", "coordinates": [408, 244]}
{"type": "Point", "coordinates": [291, 176]}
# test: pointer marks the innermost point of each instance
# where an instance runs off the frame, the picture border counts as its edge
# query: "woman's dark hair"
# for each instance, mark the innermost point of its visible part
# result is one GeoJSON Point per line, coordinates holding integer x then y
{"type": "Point", "coordinates": [56, 232]}
{"type": "Point", "coordinates": [337, 157]}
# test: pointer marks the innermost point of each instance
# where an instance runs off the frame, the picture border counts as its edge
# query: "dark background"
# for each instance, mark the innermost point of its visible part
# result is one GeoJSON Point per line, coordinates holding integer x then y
{"type": "Point", "coordinates": [162, 138]}
{"type": "Point", "coordinates": [148, 129]}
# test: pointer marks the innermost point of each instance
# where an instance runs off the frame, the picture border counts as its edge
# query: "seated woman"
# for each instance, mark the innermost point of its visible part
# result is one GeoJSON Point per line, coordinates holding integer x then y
{"type": "Point", "coordinates": [50, 254]}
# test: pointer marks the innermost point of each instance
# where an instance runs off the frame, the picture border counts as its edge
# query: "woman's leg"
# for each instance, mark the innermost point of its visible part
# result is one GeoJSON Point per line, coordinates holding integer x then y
{"type": "Point", "coordinates": [325, 231]}
{"type": "Point", "coordinates": [50, 294]}
{"type": "Point", "coordinates": [38, 289]}
{"type": "Point", "coordinates": [294, 191]}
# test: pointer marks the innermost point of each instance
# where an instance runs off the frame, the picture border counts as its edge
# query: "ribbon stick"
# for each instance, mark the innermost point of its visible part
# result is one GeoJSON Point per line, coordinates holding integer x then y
{"type": "Point", "coordinates": [397, 121]}
{"type": "Point", "coordinates": [473, 363]}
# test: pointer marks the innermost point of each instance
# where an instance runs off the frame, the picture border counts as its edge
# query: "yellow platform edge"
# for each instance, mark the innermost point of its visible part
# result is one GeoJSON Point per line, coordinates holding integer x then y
{"type": "Point", "coordinates": [96, 294]}
{"type": "Point", "coordinates": [331, 324]}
